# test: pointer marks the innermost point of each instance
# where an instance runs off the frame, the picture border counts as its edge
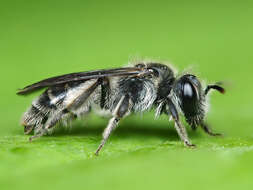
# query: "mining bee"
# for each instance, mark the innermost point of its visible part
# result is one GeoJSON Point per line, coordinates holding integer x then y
{"type": "Point", "coordinates": [119, 92]}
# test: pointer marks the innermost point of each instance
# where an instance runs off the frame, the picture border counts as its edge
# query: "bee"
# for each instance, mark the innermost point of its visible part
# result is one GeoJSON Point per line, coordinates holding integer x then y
{"type": "Point", "coordinates": [119, 92]}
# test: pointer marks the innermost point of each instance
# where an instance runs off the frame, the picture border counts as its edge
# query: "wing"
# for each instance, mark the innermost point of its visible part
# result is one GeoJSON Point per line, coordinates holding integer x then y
{"type": "Point", "coordinates": [82, 76]}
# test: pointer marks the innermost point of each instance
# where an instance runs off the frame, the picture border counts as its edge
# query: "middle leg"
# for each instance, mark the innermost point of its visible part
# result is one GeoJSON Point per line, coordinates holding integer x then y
{"type": "Point", "coordinates": [119, 112]}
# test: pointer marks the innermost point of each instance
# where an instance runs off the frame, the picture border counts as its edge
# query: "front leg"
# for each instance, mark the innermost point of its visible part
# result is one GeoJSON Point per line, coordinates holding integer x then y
{"type": "Point", "coordinates": [178, 125]}
{"type": "Point", "coordinates": [208, 130]}
{"type": "Point", "coordinates": [183, 133]}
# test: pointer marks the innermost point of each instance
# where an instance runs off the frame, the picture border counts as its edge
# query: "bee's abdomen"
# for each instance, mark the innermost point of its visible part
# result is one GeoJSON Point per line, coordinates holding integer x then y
{"type": "Point", "coordinates": [42, 107]}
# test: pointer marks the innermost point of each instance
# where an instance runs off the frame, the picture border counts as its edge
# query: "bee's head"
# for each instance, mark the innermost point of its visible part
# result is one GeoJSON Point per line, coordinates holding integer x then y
{"type": "Point", "coordinates": [191, 98]}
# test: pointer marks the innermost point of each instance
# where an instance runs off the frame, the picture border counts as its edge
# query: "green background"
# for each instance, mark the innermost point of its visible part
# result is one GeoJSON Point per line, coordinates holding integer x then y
{"type": "Point", "coordinates": [39, 39]}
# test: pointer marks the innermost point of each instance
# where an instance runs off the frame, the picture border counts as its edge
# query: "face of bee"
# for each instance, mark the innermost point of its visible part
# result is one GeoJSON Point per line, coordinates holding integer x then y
{"type": "Point", "coordinates": [191, 98]}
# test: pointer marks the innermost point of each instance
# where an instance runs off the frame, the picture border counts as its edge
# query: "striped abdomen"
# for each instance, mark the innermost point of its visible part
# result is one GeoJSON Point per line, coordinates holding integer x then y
{"type": "Point", "coordinates": [55, 104]}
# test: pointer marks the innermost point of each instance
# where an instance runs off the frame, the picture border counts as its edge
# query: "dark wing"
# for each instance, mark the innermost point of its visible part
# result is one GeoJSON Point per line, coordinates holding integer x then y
{"type": "Point", "coordinates": [81, 76]}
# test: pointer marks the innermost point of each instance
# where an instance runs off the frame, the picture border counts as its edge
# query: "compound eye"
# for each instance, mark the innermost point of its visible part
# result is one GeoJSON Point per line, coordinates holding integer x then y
{"type": "Point", "coordinates": [188, 91]}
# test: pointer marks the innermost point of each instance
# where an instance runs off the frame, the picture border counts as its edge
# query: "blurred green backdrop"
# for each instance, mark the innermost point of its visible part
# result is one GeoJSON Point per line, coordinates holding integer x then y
{"type": "Point", "coordinates": [39, 39]}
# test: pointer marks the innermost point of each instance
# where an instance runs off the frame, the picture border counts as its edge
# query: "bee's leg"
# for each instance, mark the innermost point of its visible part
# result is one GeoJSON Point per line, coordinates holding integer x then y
{"type": "Point", "coordinates": [110, 127]}
{"type": "Point", "coordinates": [38, 135]}
{"type": "Point", "coordinates": [119, 112]}
{"type": "Point", "coordinates": [183, 134]}
{"type": "Point", "coordinates": [51, 121]}
{"type": "Point", "coordinates": [76, 103]}
{"type": "Point", "coordinates": [178, 125]}
{"type": "Point", "coordinates": [38, 132]}
{"type": "Point", "coordinates": [65, 112]}
{"type": "Point", "coordinates": [28, 129]}
{"type": "Point", "coordinates": [208, 130]}
{"type": "Point", "coordinates": [55, 118]}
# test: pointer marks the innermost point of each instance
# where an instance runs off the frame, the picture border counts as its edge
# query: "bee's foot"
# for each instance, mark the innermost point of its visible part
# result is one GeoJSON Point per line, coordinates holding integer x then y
{"type": "Point", "coordinates": [35, 137]}
{"type": "Point", "coordinates": [190, 145]}
{"type": "Point", "coordinates": [215, 134]}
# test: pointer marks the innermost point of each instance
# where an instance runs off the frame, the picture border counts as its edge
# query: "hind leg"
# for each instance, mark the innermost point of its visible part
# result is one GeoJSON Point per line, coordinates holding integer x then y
{"type": "Point", "coordinates": [38, 134]}
{"type": "Point", "coordinates": [28, 129]}
{"type": "Point", "coordinates": [75, 103]}
{"type": "Point", "coordinates": [50, 123]}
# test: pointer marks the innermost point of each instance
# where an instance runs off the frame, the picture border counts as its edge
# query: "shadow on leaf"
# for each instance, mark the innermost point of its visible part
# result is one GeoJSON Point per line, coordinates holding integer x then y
{"type": "Point", "coordinates": [125, 130]}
